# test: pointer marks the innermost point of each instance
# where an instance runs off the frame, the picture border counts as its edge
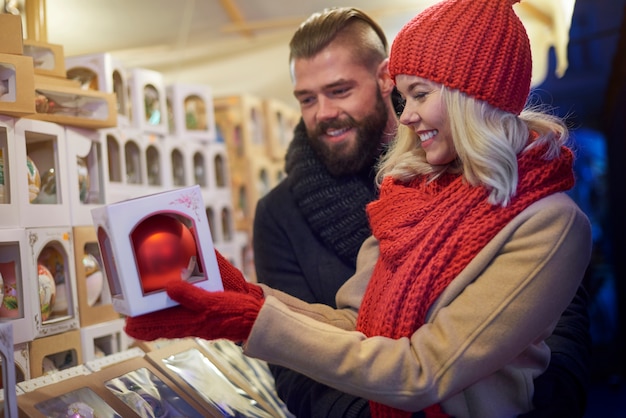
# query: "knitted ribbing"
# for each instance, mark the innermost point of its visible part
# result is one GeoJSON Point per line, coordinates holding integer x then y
{"type": "Point", "coordinates": [429, 232]}
{"type": "Point", "coordinates": [479, 47]}
{"type": "Point", "coordinates": [334, 207]}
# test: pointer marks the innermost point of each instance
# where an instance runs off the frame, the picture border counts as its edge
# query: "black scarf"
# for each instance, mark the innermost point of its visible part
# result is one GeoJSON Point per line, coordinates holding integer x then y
{"type": "Point", "coordinates": [334, 207]}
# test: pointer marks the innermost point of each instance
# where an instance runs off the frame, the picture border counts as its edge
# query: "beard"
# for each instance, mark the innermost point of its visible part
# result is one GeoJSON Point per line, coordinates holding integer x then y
{"type": "Point", "coordinates": [352, 158]}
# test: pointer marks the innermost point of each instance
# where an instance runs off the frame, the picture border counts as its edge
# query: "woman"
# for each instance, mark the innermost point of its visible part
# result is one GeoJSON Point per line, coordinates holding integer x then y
{"type": "Point", "coordinates": [475, 252]}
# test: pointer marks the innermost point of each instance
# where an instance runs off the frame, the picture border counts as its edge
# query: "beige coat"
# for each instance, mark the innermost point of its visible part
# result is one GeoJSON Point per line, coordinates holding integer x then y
{"type": "Point", "coordinates": [483, 341]}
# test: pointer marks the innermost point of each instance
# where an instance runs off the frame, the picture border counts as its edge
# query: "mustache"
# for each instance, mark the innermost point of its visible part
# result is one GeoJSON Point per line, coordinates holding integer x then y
{"type": "Point", "coordinates": [322, 127]}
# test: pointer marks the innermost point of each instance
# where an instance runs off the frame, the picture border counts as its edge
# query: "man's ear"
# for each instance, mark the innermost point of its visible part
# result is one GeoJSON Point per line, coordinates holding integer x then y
{"type": "Point", "coordinates": [385, 82]}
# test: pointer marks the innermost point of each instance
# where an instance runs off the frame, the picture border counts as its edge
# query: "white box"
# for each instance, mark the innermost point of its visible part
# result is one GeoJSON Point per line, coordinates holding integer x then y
{"type": "Point", "coordinates": [138, 265]}
{"type": "Point", "coordinates": [9, 203]}
{"type": "Point", "coordinates": [219, 209]}
{"type": "Point", "coordinates": [53, 248]}
{"type": "Point", "coordinates": [101, 71]}
{"type": "Point", "coordinates": [114, 175]}
{"type": "Point", "coordinates": [178, 164]}
{"type": "Point", "coordinates": [156, 170]}
{"type": "Point", "coordinates": [127, 175]}
{"type": "Point", "coordinates": [45, 144]}
{"type": "Point", "coordinates": [87, 164]}
{"type": "Point", "coordinates": [16, 272]}
{"type": "Point", "coordinates": [103, 339]}
{"type": "Point", "coordinates": [219, 172]}
{"type": "Point", "coordinates": [198, 162]}
{"type": "Point", "coordinates": [192, 112]}
{"type": "Point", "coordinates": [149, 101]}
{"type": "Point", "coordinates": [9, 395]}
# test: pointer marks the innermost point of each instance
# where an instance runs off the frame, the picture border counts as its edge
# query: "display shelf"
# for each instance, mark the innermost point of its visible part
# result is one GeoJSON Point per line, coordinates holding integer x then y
{"type": "Point", "coordinates": [98, 364]}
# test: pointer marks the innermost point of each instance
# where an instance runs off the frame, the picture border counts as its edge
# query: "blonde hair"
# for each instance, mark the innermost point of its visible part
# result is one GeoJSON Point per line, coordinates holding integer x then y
{"type": "Point", "coordinates": [487, 140]}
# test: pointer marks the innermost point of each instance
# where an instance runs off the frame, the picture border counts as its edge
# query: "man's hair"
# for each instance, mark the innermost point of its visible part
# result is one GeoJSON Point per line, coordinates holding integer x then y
{"type": "Point", "coordinates": [348, 25]}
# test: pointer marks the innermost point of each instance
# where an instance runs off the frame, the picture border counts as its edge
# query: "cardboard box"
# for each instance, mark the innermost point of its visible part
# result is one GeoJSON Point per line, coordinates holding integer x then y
{"type": "Point", "coordinates": [56, 81]}
{"type": "Point", "coordinates": [101, 71]}
{"type": "Point", "coordinates": [62, 394]}
{"type": "Point", "coordinates": [11, 35]}
{"type": "Point", "coordinates": [16, 270]}
{"type": "Point", "coordinates": [59, 351]}
{"type": "Point", "coordinates": [17, 85]}
{"type": "Point", "coordinates": [48, 59]}
{"type": "Point", "coordinates": [147, 242]}
{"type": "Point", "coordinates": [281, 120]}
{"type": "Point", "coordinates": [43, 194]}
{"type": "Point", "coordinates": [122, 382]}
{"type": "Point", "coordinates": [74, 106]}
{"type": "Point", "coordinates": [94, 297]}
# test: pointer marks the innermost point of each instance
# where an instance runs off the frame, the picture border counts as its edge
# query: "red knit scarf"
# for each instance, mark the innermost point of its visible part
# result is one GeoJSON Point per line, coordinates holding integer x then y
{"type": "Point", "coordinates": [428, 233]}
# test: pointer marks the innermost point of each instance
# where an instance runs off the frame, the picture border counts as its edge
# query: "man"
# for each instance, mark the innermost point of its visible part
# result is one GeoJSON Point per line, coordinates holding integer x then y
{"type": "Point", "coordinates": [308, 230]}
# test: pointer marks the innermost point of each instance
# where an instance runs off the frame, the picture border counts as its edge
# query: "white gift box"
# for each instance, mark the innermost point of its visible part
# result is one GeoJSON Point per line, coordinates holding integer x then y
{"type": "Point", "coordinates": [87, 165]}
{"type": "Point", "coordinates": [149, 101]}
{"type": "Point", "coordinates": [192, 112]}
{"type": "Point", "coordinates": [9, 202]}
{"type": "Point", "coordinates": [45, 144]}
{"type": "Point", "coordinates": [145, 244]}
{"type": "Point", "coordinates": [53, 248]}
{"type": "Point", "coordinates": [103, 339]}
{"type": "Point", "coordinates": [16, 272]}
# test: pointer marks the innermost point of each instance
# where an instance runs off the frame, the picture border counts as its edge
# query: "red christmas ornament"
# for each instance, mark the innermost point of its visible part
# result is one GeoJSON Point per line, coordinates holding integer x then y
{"type": "Point", "coordinates": [165, 250]}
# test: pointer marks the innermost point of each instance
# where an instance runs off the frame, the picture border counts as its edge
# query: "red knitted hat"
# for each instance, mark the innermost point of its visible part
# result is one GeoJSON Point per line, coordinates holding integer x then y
{"type": "Point", "coordinates": [479, 47]}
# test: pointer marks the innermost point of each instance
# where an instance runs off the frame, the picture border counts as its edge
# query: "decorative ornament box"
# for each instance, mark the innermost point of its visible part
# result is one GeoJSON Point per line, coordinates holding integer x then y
{"type": "Point", "coordinates": [150, 241]}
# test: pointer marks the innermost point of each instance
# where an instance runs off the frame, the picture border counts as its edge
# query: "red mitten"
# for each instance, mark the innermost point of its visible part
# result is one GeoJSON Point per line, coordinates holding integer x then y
{"type": "Point", "coordinates": [208, 315]}
{"type": "Point", "coordinates": [234, 280]}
